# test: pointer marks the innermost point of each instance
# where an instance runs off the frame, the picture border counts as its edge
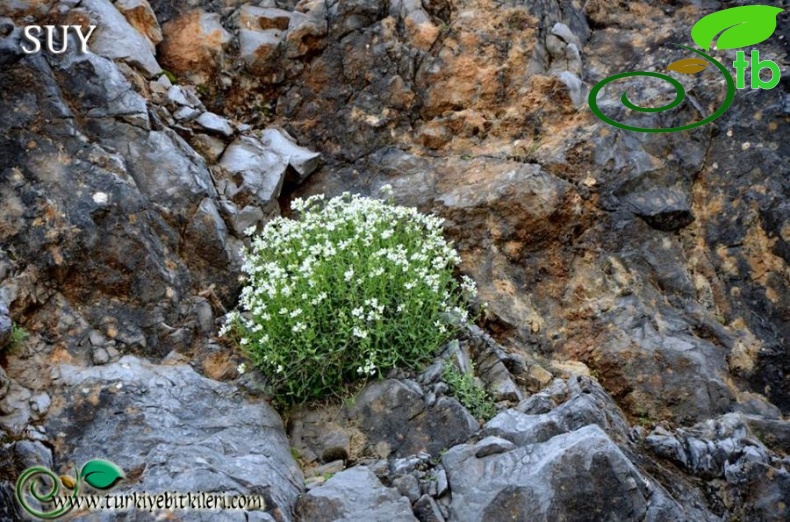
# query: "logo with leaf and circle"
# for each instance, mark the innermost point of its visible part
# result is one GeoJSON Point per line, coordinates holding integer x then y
{"type": "Point", "coordinates": [99, 474]}
{"type": "Point", "coordinates": [730, 29]}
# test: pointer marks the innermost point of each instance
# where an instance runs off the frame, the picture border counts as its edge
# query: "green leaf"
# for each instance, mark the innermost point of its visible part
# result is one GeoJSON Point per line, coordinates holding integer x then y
{"type": "Point", "coordinates": [101, 474]}
{"type": "Point", "coordinates": [736, 27]}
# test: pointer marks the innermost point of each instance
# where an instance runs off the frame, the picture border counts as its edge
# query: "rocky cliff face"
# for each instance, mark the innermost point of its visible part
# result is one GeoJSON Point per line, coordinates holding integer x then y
{"type": "Point", "coordinates": [637, 283]}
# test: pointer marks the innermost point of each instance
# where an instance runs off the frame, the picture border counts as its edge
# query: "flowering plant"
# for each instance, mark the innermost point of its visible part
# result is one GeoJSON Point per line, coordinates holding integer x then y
{"type": "Point", "coordinates": [352, 289]}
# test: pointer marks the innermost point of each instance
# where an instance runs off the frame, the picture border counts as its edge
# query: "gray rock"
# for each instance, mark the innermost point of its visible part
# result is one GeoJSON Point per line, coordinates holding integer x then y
{"type": "Point", "coordinates": [405, 465]}
{"type": "Point", "coordinates": [408, 427]}
{"type": "Point", "coordinates": [774, 433]}
{"type": "Point", "coordinates": [490, 367]}
{"type": "Point", "coordinates": [15, 408]}
{"type": "Point", "coordinates": [100, 356]}
{"type": "Point", "coordinates": [442, 486]}
{"type": "Point", "coordinates": [260, 50]}
{"type": "Point", "coordinates": [336, 444]}
{"type": "Point", "coordinates": [353, 495]}
{"type": "Point", "coordinates": [204, 314]}
{"type": "Point", "coordinates": [263, 18]}
{"type": "Point", "coordinates": [588, 404]}
{"type": "Point", "coordinates": [303, 161]}
{"type": "Point", "coordinates": [306, 32]}
{"type": "Point", "coordinates": [408, 486]}
{"type": "Point", "coordinates": [140, 14]}
{"type": "Point", "coordinates": [708, 448]}
{"type": "Point", "coordinates": [214, 123]}
{"type": "Point", "coordinates": [432, 374]}
{"type": "Point", "coordinates": [114, 38]}
{"type": "Point", "coordinates": [255, 169]}
{"type": "Point", "coordinates": [427, 510]}
{"type": "Point", "coordinates": [5, 384]}
{"type": "Point", "coordinates": [214, 440]}
{"type": "Point", "coordinates": [104, 91]}
{"type": "Point", "coordinates": [573, 83]}
{"type": "Point", "coordinates": [10, 42]}
{"type": "Point", "coordinates": [40, 403]}
{"type": "Point", "coordinates": [663, 209]}
{"type": "Point", "coordinates": [249, 216]}
{"type": "Point", "coordinates": [330, 468]}
{"type": "Point", "coordinates": [15, 457]}
{"type": "Point", "coordinates": [567, 477]}
{"type": "Point", "coordinates": [562, 30]}
{"type": "Point", "coordinates": [210, 147]}
{"type": "Point", "coordinates": [182, 96]}
{"type": "Point", "coordinates": [491, 446]}
{"type": "Point", "coordinates": [186, 114]}
{"type": "Point", "coordinates": [724, 452]}
{"type": "Point", "coordinates": [458, 355]}
{"type": "Point", "coordinates": [536, 404]}
{"type": "Point", "coordinates": [96, 338]}
{"type": "Point", "coordinates": [6, 327]}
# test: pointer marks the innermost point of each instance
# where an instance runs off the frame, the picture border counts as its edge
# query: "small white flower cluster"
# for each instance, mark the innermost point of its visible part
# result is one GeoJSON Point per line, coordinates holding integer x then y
{"type": "Point", "coordinates": [350, 283]}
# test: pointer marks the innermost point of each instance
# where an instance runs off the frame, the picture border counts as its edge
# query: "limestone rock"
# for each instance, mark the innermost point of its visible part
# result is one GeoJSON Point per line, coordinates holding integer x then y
{"type": "Point", "coordinates": [116, 39]}
{"type": "Point", "coordinates": [302, 160]}
{"type": "Point", "coordinates": [214, 123]}
{"type": "Point", "coordinates": [203, 419]}
{"type": "Point", "coordinates": [194, 44]}
{"type": "Point", "coordinates": [568, 476]}
{"type": "Point", "coordinates": [410, 428]}
{"type": "Point", "coordinates": [355, 494]}
{"type": "Point", "coordinates": [140, 16]}
{"type": "Point", "coordinates": [256, 170]}
{"type": "Point", "coordinates": [260, 50]}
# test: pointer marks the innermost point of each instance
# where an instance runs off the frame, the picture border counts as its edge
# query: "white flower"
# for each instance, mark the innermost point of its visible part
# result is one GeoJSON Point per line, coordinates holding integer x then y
{"type": "Point", "coordinates": [358, 332]}
{"type": "Point", "coordinates": [369, 368]}
{"type": "Point", "coordinates": [241, 368]}
{"type": "Point", "coordinates": [299, 327]}
{"type": "Point", "coordinates": [226, 328]}
{"type": "Point", "coordinates": [348, 274]}
{"type": "Point", "coordinates": [468, 285]}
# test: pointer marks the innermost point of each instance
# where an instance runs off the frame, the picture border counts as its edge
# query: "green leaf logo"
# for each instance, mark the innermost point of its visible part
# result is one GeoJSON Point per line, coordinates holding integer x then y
{"type": "Point", "coordinates": [101, 474]}
{"type": "Point", "coordinates": [736, 27]}
{"type": "Point", "coordinates": [688, 65]}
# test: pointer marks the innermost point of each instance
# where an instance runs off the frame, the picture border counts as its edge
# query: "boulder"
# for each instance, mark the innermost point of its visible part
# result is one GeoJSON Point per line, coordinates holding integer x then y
{"type": "Point", "coordinates": [170, 429]}
{"type": "Point", "coordinates": [573, 476]}
{"type": "Point", "coordinates": [140, 16]}
{"type": "Point", "coordinates": [194, 44]}
{"type": "Point", "coordinates": [116, 39]}
{"type": "Point", "coordinates": [354, 495]}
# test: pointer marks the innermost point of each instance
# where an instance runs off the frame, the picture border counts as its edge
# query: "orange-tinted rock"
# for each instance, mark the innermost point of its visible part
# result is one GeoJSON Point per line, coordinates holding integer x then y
{"type": "Point", "coordinates": [140, 16]}
{"type": "Point", "coordinates": [194, 44]}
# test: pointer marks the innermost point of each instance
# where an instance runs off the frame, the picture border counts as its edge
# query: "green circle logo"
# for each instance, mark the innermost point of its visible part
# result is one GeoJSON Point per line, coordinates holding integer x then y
{"type": "Point", "coordinates": [731, 29]}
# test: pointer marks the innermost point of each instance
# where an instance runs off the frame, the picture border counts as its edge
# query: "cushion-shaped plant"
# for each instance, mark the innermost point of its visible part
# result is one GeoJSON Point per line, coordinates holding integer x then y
{"type": "Point", "coordinates": [351, 289]}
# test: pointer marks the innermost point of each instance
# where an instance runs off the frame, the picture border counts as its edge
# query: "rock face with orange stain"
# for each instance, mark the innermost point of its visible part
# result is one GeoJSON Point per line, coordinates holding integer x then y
{"type": "Point", "coordinates": [140, 16]}
{"type": "Point", "coordinates": [194, 44]}
{"type": "Point", "coordinates": [657, 264]}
